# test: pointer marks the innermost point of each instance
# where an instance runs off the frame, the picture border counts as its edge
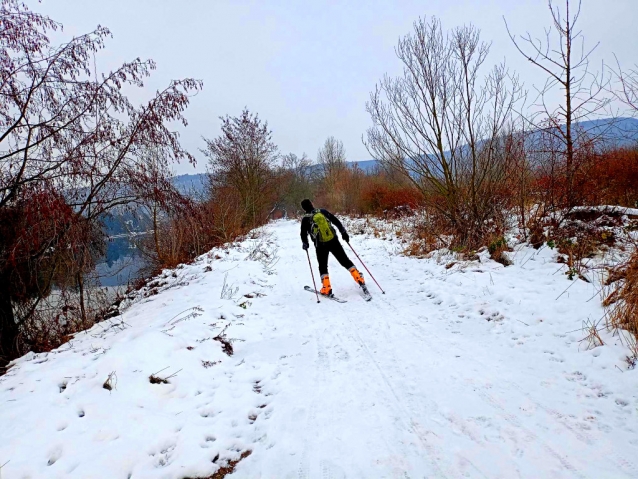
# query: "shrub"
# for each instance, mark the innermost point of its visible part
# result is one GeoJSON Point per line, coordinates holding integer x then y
{"type": "Point", "coordinates": [195, 227]}
{"type": "Point", "coordinates": [614, 178]}
{"type": "Point", "coordinates": [379, 196]}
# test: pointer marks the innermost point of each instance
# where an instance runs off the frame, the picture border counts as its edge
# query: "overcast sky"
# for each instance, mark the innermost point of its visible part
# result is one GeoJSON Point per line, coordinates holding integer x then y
{"type": "Point", "coordinates": [307, 67]}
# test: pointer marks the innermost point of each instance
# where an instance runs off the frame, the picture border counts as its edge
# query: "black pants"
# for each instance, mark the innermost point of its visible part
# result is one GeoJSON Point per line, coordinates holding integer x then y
{"type": "Point", "coordinates": [333, 246]}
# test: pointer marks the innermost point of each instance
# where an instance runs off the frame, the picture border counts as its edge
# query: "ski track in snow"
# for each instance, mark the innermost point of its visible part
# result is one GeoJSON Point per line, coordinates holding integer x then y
{"type": "Point", "coordinates": [455, 373]}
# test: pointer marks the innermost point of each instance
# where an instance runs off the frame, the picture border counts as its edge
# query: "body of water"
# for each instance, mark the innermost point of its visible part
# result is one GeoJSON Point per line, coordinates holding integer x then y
{"type": "Point", "coordinates": [122, 262]}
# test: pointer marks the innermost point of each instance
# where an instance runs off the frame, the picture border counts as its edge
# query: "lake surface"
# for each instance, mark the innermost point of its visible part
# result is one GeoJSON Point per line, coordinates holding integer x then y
{"type": "Point", "coordinates": [122, 263]}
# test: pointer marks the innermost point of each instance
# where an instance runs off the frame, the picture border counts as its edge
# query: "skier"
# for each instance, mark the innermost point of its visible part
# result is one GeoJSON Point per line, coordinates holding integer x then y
{"type": "Point", "coordinates": [318, 223]}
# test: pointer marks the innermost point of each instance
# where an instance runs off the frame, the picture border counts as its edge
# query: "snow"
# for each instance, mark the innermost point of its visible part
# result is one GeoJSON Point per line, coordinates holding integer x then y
{"type": "Point", "coordinates": [609, 209]}
{"type": "Point", "coordinates": [472, 371]}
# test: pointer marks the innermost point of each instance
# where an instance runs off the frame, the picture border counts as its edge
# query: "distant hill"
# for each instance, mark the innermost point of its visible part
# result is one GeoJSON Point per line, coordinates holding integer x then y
{"type": "Point", "coordinates": [196, 184]}
{"type": "Point", "coordinates": [610, 132]}
{"type": "Point", "coordinates": [619, 132]}
{"type": "Point", "coordinates": [368, 166]}
{"type": "Point", "coordinates": [123, 221]}
{"type": "Point", "coordinates": [189, 184]}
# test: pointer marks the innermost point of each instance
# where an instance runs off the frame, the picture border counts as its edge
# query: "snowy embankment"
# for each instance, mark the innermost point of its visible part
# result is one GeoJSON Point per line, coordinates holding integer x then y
{"type": "Point", "coordinates": [472, 371]}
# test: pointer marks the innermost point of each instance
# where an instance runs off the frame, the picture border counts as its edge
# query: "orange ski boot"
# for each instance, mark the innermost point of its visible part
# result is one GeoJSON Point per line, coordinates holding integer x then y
{"type": "Point", "coordinates": [326, 289]}
{"type": "Point", "coordinates": [358, 277]}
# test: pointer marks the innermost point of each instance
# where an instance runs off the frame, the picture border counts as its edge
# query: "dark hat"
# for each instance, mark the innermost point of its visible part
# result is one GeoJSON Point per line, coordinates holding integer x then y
{"type": "Point", "coordinates": [307, 205]}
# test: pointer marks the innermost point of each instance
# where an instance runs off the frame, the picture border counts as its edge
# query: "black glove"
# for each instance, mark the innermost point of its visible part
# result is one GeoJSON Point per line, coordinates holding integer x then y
{"type": "Point", "coordinates": [345, 237]}
{"type": "Point", "coordinates": [305, 246]}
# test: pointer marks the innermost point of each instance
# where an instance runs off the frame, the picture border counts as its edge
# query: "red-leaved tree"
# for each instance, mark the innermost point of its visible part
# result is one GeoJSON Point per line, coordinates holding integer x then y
{"type": "Point", "coordinates": [71, 136]}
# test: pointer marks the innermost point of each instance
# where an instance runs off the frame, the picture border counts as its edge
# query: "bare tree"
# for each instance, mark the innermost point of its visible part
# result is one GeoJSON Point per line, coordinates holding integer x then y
{"type": "Point", "coordinates": [439, 124]}
{"type": "Point", "coordinates": [294, 181]}
{"type": "Point", "coordinates": [332, 159]}
{"type": "Point", "coordinates": [299, 166]}
{"type": "Point", "coordinates": [332, 156]}
{"type": "Point", "coordinates": [243, 157]}
{"type": "Point", "coordinates": [562, 56]}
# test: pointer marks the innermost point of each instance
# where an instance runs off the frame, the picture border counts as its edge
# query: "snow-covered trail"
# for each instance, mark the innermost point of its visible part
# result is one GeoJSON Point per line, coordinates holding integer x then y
{"type": "Point", "coordinates": [420, 383]}
{"type": "Point", "coordinates": [453, 373]}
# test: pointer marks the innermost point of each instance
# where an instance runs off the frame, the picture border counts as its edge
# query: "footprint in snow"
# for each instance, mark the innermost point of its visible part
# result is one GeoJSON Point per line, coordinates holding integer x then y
{"type": "Point", "coordinates": [208, 412]}
{"type": "Point", "coordinates": [622, 402]}
{"type": "Point", "coordinates": [208, 442]}
{"type": "Point", "coordinates": [576, 376]}
{"type": "Point", "coordinates": [54, 455]}
{"type": "Point", "coordinates": [165, 456]}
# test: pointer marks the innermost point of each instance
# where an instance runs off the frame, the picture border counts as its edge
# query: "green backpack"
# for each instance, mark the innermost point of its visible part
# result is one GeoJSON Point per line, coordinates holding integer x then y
{"type": "Point", "coordinates": [321, 229]}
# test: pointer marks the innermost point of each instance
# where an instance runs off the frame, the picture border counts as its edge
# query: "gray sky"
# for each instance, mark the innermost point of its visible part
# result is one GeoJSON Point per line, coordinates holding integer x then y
{"type": "Point", "coordinates": [307, 67]}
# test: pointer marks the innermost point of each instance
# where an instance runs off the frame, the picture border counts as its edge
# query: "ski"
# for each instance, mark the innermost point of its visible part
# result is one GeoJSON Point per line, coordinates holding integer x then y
{"type": "Point", "coordinates": [332, 297]}
{"type": "Point", "coordinates": [365, 293]}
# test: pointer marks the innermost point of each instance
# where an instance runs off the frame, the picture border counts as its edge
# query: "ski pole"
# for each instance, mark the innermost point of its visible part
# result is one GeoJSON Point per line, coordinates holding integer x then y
{"type": "Point", "coordinates": [314, 285]}
{"type": "Point", "coordinates": [364, 265]}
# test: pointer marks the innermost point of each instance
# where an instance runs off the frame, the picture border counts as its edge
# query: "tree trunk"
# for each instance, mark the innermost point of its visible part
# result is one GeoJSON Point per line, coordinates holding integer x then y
{"type": "Point", "coordinates": [158, 250]}
{"type": "Point", "coordinates": [8, 329]}
{"type": "Point", "coordinates": [569, 113]}
{"type": "Point", "coordinates": [80, 282]}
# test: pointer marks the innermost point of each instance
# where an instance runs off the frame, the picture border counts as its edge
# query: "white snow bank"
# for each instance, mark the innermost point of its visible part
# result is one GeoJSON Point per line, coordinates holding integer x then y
{"type": "Point", "coordinates": [463, 372]}
{"type": "Point", "coordinates": [632, 212]}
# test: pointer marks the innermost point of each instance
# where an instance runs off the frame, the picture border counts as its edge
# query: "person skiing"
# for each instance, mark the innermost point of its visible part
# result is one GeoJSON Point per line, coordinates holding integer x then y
{"type": "Point", "coordinates": [319, 222]}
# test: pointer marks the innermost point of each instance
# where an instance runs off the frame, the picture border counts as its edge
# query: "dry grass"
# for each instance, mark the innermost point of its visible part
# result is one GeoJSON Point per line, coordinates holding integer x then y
{"type": "Point", "coordinates": [432, 230]}
{"type": "Point", "coordinates": [592, 334]}
{"type": "Point", "coordinates": [498, 249]}
{"type": "Point", "coordinates": [48, 323]}
{"type": "Point", "coordinates": [428, 233]}
{"type": "Point", "coordinates": [623, 300]}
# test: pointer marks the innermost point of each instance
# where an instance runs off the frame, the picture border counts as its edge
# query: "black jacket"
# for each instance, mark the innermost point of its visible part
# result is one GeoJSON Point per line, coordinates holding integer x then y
{"type": "Point", "coordinates": [306, 223]}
